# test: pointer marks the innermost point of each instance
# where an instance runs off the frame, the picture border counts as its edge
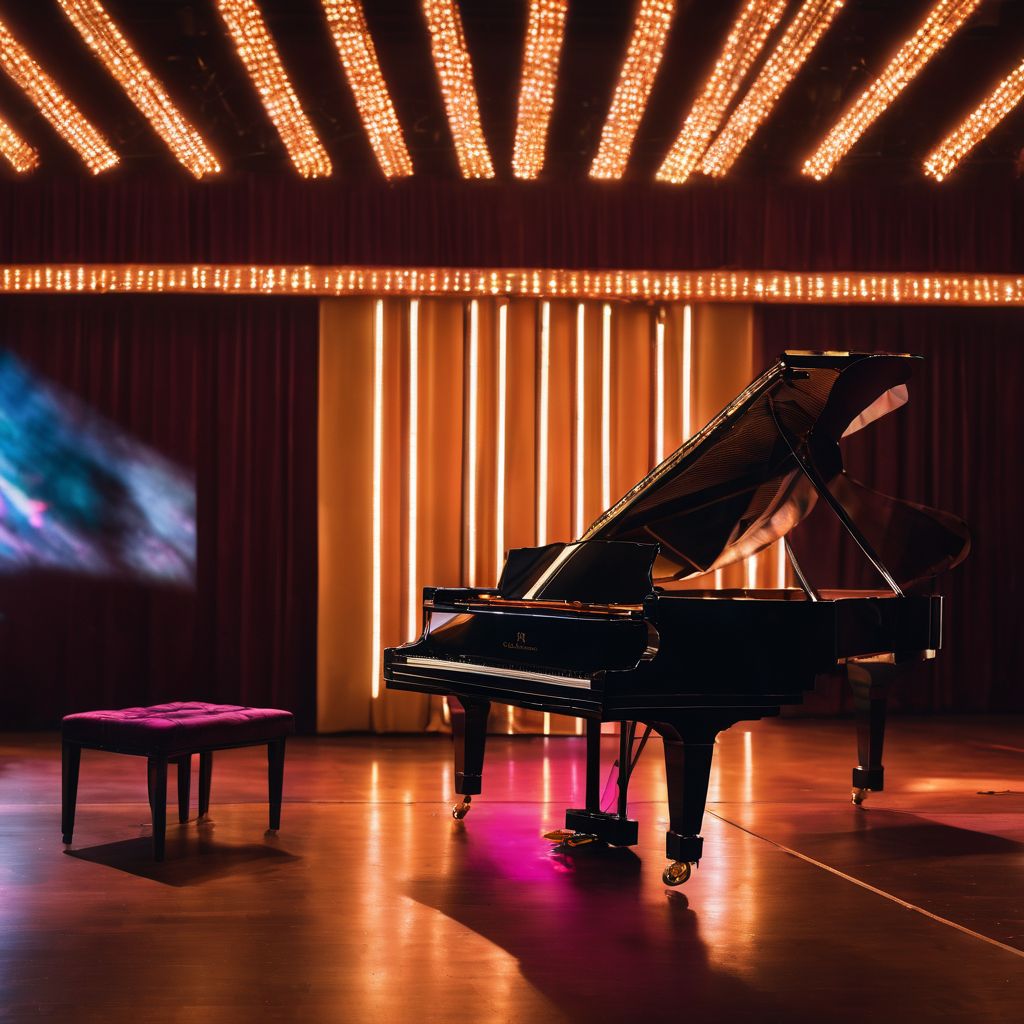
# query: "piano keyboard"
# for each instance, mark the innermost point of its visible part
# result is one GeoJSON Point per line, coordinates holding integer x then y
{"type": "Point", "coordinates": [449, 665]}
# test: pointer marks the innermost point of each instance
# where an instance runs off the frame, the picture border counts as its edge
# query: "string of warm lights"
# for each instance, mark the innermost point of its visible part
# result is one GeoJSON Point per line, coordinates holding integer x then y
{"type": "Point", "coordinates": [938, 27]}
{"type": "Point", "coordinates": [65, 117]}
{"type": "Point", "coordinates": [636, 79]}
{"type": "Point", "coordinates": [455, 73]}
{"type": "Point", "coordinates": [744, 43]}
{"type": "Point", "coordinates": [16, 151]}
{"type": "Point", "coordinates": [992, 109]}
{"type": "Point", "coordinates": [104, 38]}
{"type": "Point", "coordinates": [771, 286]}
{"type": "Point", "coordinates": [802, 33]}
{"type": "Point", "coordinates": [545, 31]}
{"type": "Point", "coordinates": [258, 53]}
{"type": "Point", "coordinates": [347, 23]}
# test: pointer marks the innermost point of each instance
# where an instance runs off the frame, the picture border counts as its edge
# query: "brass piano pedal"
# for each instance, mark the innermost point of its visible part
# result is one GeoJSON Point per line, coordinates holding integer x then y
{"type": "Point", "coordinates": [570, 839]}
{"type": "Point", "coordinates": [676, 873]}
{"type": "Point", "coordinates": [460, 810]}
{"type": "Point", "coordinates": [858, 795]}
{"type": "Point", "coordinates": [560, 835]}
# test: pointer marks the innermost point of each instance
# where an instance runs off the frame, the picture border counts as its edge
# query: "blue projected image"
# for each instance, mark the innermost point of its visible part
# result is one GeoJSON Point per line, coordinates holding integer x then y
{"type": "Point", "coordinates": [77, 494]}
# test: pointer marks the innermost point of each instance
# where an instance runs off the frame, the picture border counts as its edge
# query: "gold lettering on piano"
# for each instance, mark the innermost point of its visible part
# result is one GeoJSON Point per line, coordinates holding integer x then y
{"type": "Point", "coordinates": [519, 644]}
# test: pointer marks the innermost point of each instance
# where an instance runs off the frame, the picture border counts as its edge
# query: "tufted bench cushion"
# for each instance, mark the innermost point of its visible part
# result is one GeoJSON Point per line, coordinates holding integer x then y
{"type": "Point", "coordinates": [178, 728]}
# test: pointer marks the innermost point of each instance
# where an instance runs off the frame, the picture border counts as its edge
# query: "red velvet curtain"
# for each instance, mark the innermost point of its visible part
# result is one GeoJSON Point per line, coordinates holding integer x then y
{"type": "Point", "coordinates": [226, 389]}
{"type": "Point", "coordinates": [955, 446]}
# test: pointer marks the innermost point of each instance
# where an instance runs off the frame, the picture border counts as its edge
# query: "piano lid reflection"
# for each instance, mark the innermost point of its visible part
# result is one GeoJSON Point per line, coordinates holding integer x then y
{"type": "Point", "coordinates": [616, 627]}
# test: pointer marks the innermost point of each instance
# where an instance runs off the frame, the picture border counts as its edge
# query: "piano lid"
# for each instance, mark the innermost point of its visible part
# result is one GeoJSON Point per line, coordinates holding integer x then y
{"type": "Point", "coordinates": [758, 468]}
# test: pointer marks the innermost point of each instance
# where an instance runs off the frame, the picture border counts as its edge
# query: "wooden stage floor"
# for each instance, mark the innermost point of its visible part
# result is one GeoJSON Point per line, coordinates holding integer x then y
{"type": "Point", "coordinates": [373, 905]}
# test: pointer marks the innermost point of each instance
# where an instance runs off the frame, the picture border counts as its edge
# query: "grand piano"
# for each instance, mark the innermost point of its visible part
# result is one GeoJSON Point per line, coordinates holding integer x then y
{"type": "Point", "coordinates": [622, 625]}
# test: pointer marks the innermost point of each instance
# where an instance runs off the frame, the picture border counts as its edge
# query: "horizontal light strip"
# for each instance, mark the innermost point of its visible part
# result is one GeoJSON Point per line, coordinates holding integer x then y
{"type": "Point", "coordinates": [545, 30]}
{"type": "Point", "coordinates": [992, 109]}
{"type": "Point", "coordinates": [744, 43]}
{"type": "Point", "coordinates": [69, 122]}
{"type": "Point", "coordinates": [802, 33]}
{"type": "Point", "coordinates": [773, 286]}
{"type": "Point", "coordinates": [455, 73]}
{"type": "Point", "coordinates": [944, 18]}
{"type": "Point", "coordinates": [347, 23]}
{"type": "Point", "coordinates": [16, 151]}
{"type": "Point", "coordinates": [263, 63]}
{"type": "Point", "coordinates": [636, 79]}
{"type": "Point", "coordinates": [104, 38]}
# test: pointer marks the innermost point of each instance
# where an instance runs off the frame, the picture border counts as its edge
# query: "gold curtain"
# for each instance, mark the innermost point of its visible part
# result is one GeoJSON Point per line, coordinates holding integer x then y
{"type": "Point", "coordinates": [453, 430]}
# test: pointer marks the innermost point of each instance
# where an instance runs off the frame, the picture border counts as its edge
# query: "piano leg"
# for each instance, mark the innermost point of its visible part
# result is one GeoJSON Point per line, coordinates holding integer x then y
{"type": "Point", "coordinates": [593, 765]}
{"type": "Point", "coordinates": [469, 733]}
{"type": "Point", "coordinates": [869, 681]}
{"type": "Point", "coordinates": [687, 772]}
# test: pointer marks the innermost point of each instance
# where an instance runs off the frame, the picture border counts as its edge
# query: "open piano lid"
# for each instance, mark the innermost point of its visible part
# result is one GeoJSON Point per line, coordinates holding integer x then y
{"type": "Point", "coordinates": [758, 468]}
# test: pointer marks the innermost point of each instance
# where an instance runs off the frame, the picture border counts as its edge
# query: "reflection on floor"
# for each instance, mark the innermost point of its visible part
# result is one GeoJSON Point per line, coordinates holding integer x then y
{"type": "Point", "coordinates": [372, 904]}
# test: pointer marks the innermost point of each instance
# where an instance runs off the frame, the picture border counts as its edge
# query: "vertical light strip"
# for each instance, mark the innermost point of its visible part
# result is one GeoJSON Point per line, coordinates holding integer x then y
{"type": "Point", "coordinates": [938, 27]}
{"type": "Point", "coordinates": [606, 406]}
{"type": "Point", "coordinates": [780, 564]}
{"type": "Point", "coordinates": [802, 33]}
{"type": "Point", "coordinates": [455, 73]}
{"type": "Point", "coordinates": [580, 418]}
{"type": "Point", "coordinates": [413, 477]}
{"type": "Point", "coordinates": [499, 499]}
{"type": "Point", "coordinates": [659, 389]}
{"type": "Point", "coordinates": [104, 38]}
{"type": "Point", "coordinates": [751, 572]}
{"type": "Point", "coordinates": [17, 152]}
{"type": "Point", "coordinates": [68, 121]}
{"type": "Point", "coordinates": [636, 79]}
{"type": "Point", "coordinates": [347, 23]}
{"type": "Point", "coordinates": [542, 424]}
{"type": "Point", "coordinates": [472, 429]}
{"type": "Point", "coordinates": [258, 53]}
{"type": "Point", "coordinates": [742, 47]}
{"type": "Point", "coordinates": [378, 486]}
{"type": "Point", "coordinates": [687, 382]}
{"type": "Point", "coordinates": [992, 109]}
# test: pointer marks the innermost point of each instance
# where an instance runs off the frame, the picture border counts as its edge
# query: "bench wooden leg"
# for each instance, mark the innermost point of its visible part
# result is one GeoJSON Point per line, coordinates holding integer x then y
{"type": "Point", "coordinates": [184, 786]}
{"type": "Point", "coordinates": [205, 775]}
{"type": "Point", "coordinates": [71, 755]}
{"type": "Point", "coordinates": [275, 779]}
{"type": "Point", "coordinates": [158, 803]}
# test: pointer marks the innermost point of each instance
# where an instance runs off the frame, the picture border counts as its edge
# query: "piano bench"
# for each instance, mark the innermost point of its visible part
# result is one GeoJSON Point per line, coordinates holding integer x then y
{"type": "Point", "coordinates": [170, 734]}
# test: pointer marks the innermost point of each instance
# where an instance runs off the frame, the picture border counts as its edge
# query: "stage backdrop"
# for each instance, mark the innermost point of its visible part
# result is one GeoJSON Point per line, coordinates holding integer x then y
{"type": "Point", "coordinates": [158, 490]}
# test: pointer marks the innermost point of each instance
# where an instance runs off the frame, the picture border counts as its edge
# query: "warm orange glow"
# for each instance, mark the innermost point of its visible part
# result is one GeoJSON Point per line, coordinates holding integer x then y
{"type": "Point", "coordinates": [378, 496]}
{"type": "Point", "coordinates": [686, 385]}
{"type": "Point", "coordinates": [72, 126]}
{"type": "Point", "coordinates": [16, 151]}
{"type": "Point", "coordinates": [579, 420]}
{"type": "Point", "coordinates": [780, 565]}
{"type": "Point", "coordinates": [941, 162]}
{"type": "Point", "coordinates": [258, 53]}
{"type": "Point", "coordinates": [636, 79]}
{"type": "Point", "coordinates": [545, 30]}
{"type": "Point", "coordinates": [743, 45]}
{"type": "Point", "coordinates": [347, 23]}
{"type": "Point", "coordinates": [543, 414]}
{"type": "Point", "coordinates": [606, 406]}
{"type": "Point", "coordinates": [802, 33]}
{"type": "Point", "coordinates": [104, 38]}
{"type": "Point", "coordinates": [455, 73]}
{"type": "Point", "coordinates": [938, 27]}
{"type": "Point", "coordinates": [472, 426]}
{"type": "Point", "coordinates": [413, 480]}
{"type": "Point", "coordinates": [499, 502]}
{"type": "Point", "coordinates": [659, 391]}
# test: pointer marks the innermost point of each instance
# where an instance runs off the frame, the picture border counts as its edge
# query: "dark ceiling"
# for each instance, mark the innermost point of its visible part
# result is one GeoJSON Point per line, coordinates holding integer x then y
{"type": "Point", "coordinates": [186, 46]}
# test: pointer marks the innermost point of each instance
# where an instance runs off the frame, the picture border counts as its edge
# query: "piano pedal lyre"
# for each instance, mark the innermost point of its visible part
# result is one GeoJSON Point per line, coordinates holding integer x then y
{"type": "Point", "coordinates": [460, 810]}
{"type": "Point", "coordinates": [676, 873]}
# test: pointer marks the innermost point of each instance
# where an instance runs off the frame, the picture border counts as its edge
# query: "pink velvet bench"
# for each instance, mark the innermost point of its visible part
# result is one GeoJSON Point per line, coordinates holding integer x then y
{"type": "Point", "coordinates": [171, 734]}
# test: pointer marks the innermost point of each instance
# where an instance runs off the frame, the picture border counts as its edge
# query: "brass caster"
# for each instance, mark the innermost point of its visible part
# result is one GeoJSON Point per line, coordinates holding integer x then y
{"type": "Point", "coordinates": [859, 795]}
{"type": "Point", "coordinates": [459, 811]}
{"type": "Point", "coordinates": [677, 873]}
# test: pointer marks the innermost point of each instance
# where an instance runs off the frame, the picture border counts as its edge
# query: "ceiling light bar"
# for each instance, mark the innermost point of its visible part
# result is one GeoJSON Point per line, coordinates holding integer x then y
{"type": "Point", "coordinates": [16, 151]}
{"type": "Point", "coordinates": [743, 45]}
{"type": "Point", "coordinates": [65, 117]}
{"type": "Point", "coordinates": [455, 73]}
{"type": "Point", "coordinates": [102, 36]}
{"type": "Point", "coordinates": [802, 33]}
{"type": "Point", "coordinates": [545, 32]}
{"type": "Point", "coordinates": [992, 109]}
{"type": "Point", "coordinates": [636, 79]}
{"type": "Point", "coordinates": [258, 53]}
{"type": "Point", "coordinates": [942, 21]}
{"type": "Point", "coordinates": [347, 23]}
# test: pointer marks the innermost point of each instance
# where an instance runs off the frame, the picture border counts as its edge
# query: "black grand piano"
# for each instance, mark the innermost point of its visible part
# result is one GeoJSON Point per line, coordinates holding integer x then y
{"type": "Point", "coordinates": [615, 627]}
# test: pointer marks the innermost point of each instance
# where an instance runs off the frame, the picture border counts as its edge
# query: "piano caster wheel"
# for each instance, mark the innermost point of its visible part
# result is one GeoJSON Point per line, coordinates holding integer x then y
{"type": "Point", "coordinates": [676, 874]}
{"type": "Point", "coordinates": [859, 795]}
{"type": "Point", "coordinates": [460, 810]}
